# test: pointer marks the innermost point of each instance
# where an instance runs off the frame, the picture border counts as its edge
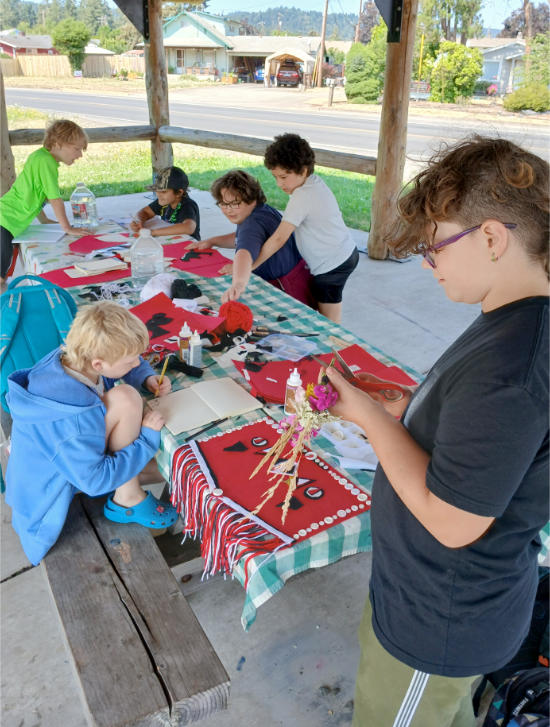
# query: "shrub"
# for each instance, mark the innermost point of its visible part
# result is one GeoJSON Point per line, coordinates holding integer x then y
{"type": "Point", "coordinates": [535, 96]}
{"type": "Point", "coordinates": [480, 89]}
{"type": "Point", "coordinates": [454, 72]}
{"type": "Point", "coordinates": [365, 67]}
{"type": "Point", "coordinates": [70, 38]}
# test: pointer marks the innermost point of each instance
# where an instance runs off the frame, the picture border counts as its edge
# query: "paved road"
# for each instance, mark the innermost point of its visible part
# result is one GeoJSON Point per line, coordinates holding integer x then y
{"type": "Point", "coordinates": [339, 130]}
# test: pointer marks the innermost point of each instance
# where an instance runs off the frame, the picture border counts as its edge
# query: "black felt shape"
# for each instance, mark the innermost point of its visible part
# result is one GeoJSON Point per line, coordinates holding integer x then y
{"type": "Point", "coordinates": [237, 447]}
{"type": "Point", "coordinates": [176, 365]}
{"type": "Point", "coordinates": [182, 289]}
{"type": "Point", "coordinates": [281, 318]}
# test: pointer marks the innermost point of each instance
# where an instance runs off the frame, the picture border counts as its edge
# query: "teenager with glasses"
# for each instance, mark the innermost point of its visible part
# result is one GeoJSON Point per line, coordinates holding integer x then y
{"type": "Point", "coordinates": [242, 200]}
{"type": "Point", "coordinates": [461, 491]}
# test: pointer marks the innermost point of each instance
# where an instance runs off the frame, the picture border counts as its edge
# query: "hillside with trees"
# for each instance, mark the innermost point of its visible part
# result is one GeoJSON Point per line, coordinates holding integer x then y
{"type": "Point", "coordinates": [293, 21]}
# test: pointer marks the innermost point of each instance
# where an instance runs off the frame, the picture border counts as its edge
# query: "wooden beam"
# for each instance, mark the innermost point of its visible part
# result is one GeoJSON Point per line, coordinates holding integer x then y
{"type": "Point", "coordinates": [156, 85]}
{"type": "Point", "coordinates": [7, 164]}
{"type": "Point", "coordinates": [249, 145]}
{"type": "Point", "coordinates": [392, 141]}
{"type": "Point", "coordinates": [26, 137]}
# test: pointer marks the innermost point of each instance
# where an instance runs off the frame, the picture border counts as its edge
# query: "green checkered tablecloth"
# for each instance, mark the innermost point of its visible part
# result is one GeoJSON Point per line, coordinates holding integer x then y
{"type": "Point", "coordinates": [266, 574]}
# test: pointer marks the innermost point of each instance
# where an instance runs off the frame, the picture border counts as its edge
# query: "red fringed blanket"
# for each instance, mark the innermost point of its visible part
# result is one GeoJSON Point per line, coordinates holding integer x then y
{"type": "Point", "coordinates": [212, 492]}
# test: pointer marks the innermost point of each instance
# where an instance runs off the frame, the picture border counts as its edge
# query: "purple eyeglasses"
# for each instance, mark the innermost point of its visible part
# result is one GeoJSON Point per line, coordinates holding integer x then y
{"type": "Point", "coordinates": [427, 252]}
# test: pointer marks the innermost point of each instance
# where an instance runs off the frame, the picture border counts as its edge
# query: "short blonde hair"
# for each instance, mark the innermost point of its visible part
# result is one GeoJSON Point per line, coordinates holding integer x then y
{"type": "Point", "coordinates": [104, 330]}
{"type": "Point", "coordinates": [64, 131]}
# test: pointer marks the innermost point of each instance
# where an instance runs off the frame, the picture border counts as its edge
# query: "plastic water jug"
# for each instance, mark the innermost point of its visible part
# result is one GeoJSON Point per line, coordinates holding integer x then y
{"type": "Point", "coordinates": [84, 208]}
{"type": "Point", "coordinates": [146, 257]}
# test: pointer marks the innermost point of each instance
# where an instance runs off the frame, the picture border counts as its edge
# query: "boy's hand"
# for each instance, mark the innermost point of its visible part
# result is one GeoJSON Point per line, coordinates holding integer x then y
{"type": "Point", "coordinates": [152, 384]}
{"type": "Point", "coordinates": [76, 231]}
{"type": "Point", "coordinates": [135, 225]}
{"type": "Point", "coordinates": [200, 245]}
{"type": "Point", "coordinates": [152, 419]}
{"type": "Point", "coordinates": [234, 292]}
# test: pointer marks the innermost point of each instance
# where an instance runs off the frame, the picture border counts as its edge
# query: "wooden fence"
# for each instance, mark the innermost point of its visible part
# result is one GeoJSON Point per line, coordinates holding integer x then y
{"type": "Point", "coordinates": [94, 66]}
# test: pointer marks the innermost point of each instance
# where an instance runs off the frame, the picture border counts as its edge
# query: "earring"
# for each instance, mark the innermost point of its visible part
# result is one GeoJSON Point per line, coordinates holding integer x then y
{"type": "Point", "coordinates": [494, 258]}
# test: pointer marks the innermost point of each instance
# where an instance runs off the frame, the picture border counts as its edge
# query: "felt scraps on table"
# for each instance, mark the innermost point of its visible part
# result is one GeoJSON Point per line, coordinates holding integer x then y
{"type": "Point", "coordinates": [296, 430]}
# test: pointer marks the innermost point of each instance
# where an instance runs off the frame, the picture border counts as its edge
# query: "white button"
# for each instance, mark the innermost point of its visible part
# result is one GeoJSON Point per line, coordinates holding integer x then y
{"type": "Point", "coordinates": [218, 492]}
{"type": "Point", "coordinates": [341, 513]}
{"type": "Point", "coordinates": [329, 520]}
{"type": "Point", "coordinates": [361, 496]}
{"type": "Point", "coordinates": [355, 491]}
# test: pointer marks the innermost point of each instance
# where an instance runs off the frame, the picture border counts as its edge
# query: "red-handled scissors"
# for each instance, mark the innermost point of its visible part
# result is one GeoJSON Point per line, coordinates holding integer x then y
{"type": "Point", "coordinates": [390, 391]}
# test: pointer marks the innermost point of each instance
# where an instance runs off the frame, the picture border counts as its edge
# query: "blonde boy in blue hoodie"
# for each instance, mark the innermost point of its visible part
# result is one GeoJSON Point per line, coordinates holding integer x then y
{"type": "Point", "coordinates": [73, 430]}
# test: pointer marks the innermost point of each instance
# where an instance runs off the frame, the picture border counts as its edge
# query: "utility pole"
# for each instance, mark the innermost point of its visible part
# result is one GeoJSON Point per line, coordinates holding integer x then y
{"type": "Point", "coordinates": [322, 46]}
{"type": "Point", "coordinates": [358, 26]}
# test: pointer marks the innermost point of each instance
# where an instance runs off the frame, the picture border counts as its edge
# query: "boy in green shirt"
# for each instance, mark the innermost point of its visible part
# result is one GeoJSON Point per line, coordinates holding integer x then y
{"type": "Point", "coordinates": [64, 141]}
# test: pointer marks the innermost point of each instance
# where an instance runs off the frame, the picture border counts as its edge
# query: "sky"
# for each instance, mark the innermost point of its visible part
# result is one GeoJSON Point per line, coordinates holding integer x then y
{"type": "Point", "coordinates": [493, 11]}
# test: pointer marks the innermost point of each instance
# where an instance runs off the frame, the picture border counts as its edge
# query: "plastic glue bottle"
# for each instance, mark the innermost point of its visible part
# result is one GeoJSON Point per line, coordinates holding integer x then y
{"type": "Point", "coordinates": [195, 350]}
{"type": "Point", "coordinates": [185, 339]}
{"type": "Point", "coordinates": [292, 383]}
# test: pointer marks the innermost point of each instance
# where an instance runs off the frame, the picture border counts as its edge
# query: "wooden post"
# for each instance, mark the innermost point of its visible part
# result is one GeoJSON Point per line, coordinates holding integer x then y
{"type": "Point", "coordinates": [322, 45]}
{"type": "Point", "coordinates": [7, 164]}
{"type": "Point", "coordinates": [392, 140]}
{"type": "Point", "coordinates": [156, 83]}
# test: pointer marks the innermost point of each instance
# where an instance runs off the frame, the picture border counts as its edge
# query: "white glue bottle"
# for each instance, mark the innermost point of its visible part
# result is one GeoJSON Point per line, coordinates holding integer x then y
{"type": "Point", "coordinates": [195, 350]}
{"type": "Point", "coordinates": [185, 338]}
{"type": "Point", "coordinates": [292, 383]}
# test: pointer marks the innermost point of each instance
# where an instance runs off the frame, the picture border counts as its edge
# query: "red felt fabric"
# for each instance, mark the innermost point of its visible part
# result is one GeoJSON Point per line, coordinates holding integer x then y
{"type": "Point", "coordinates": [323, 497]}
{"type": "Point", "coordinates": [172, 320]}
{"type": "Point", "coordinates": [207, 265]}
{"type": "Point", "coordinates": [274, 390]}
{"type": "Point", "coordinates": [89, 243]}
{"type": "Point", "coordinates": [59, 277]}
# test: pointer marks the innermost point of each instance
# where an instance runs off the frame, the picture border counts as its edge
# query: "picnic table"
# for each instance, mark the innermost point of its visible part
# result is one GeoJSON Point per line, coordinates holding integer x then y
{"type": "Point", "coordinates": [263, 576]}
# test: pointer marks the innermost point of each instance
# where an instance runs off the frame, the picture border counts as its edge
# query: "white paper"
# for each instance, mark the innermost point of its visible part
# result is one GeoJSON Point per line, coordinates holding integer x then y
{"type": "Point", "coordinates": [203, 403]}
{"type": "Point", "coordinates": [41, 234]}
{"type": "Point", "coordinates": [356, 464]}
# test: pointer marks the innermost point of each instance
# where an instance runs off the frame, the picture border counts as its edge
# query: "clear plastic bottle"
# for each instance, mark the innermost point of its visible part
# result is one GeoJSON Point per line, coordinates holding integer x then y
{"type": "Point", "coordinates": [292, 383]}
{"type": "Point", "coordinates": [185, 335]}
{"type": "Point", "coordinates": [195, 350]}
{"type": "Point", "coordinates": [146, 257]}
{"type": "Point", "coordinates": [84, 207]}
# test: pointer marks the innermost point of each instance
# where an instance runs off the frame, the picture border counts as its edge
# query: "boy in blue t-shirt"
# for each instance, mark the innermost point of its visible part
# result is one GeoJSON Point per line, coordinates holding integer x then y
{"type": "Point", "coordinates": [242, 200]}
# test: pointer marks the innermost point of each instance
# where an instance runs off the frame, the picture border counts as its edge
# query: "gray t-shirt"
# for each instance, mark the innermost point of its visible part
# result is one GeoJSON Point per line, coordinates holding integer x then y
{"type": "Point", "coordinates": [322, 238]}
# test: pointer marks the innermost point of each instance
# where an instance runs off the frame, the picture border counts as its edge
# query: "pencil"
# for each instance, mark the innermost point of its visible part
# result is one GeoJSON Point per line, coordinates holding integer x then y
{"type": "Point", "coordinates": [166, 358]}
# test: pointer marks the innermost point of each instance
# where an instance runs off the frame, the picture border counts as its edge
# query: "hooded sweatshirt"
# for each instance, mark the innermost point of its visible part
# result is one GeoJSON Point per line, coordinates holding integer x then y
{"type": "Point", "coordinates": [58, 449]}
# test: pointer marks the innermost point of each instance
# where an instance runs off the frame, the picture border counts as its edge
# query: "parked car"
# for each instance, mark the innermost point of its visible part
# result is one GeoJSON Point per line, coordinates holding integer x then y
{"type": "Point", "coordinates": [259, 74]}
{"type": "Point", "coordinates": [289, 74]}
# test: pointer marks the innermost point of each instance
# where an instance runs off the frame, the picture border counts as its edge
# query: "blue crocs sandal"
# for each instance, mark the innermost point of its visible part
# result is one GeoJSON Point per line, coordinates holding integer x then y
{"type": "Point", "coordinates": [151, 513]}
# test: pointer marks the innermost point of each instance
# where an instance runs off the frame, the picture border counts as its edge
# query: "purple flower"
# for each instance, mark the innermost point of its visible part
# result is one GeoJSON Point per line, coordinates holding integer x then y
{"type": "Point", "coordinates": [324, 396]}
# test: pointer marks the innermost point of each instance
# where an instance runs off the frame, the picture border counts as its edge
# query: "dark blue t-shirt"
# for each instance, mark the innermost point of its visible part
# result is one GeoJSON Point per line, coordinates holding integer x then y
{"type": "Point", "coordinates": [482, 415]}
{"type": "Point", "coordinates": [254, 231]}
{"type": "Point", "coordinates": [187, 209]}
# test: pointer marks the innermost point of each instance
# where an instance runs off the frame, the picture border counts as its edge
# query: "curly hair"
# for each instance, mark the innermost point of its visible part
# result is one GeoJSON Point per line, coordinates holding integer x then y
{"type": "Point", "coordinates": [62, 132]}
{"type": "Point", "coordinates": [477, 179]}
{"type": "Point", "coordinates": [290, 152]}
{"type": "Point", "coordinates": [242, 184]}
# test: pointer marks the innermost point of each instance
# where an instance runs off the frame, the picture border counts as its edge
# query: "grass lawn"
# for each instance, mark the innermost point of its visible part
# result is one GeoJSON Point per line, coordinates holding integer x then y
{"type": "Point", "coordinates": [126, 168]}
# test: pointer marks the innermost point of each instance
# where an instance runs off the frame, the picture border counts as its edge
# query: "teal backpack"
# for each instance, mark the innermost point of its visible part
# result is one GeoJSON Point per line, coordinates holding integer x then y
{"type": "Point", "coordinates": [34, 319]}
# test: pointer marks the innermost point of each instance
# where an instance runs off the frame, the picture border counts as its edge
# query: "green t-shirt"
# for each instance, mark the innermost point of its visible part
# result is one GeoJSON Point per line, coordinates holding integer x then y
{"type": "Point", "coordinates": [37, 182]}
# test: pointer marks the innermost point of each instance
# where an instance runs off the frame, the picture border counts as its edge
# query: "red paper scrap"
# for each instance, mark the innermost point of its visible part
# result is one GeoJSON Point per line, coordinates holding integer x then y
{"type": "Point", "coordinates": [206, 263]}
{"type": "Point", "coordinates": [59, 277]}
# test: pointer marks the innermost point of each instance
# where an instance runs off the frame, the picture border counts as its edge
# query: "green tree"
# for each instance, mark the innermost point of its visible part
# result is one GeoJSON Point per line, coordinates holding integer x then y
{"type": "Point", "coordinates": [71, 10]}
{"type": "Point", "coordinates": [94, 14]}
{"type": "Point", "coordinates": [70, 38]}
{"type": "Point", "coordinates": [454, 20]}
{"type": "Point", "coordinates": [111, 39]}
{"type": "Point", "coordinates": [335, 55]}
{"type": "Point", "coordinates": [54, 14]}
{"type": "Point", "coordinates": [9, 14]}
{"type": "Point", "coordinates": [538, 71]}
{"type": "Point", "coordinates": [365, 67]}
{"type": "Point", "coordinates": [454, 72]}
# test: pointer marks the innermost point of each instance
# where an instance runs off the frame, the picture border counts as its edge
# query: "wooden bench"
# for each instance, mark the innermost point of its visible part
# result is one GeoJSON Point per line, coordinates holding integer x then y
{"type": "Point", "coordinates": [141, 656]}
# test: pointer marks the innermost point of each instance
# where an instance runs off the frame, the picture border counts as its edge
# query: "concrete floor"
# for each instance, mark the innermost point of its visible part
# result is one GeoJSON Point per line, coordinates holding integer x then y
{"type": "Point", "coordinates": [301, 654]}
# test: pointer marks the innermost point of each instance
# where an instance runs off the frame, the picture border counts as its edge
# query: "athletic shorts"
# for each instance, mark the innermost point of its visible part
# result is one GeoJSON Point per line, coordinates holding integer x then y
{"type": "Point", "coordinates": [8, 253]}
{"type": "Point", "coordinates": [328, 287]}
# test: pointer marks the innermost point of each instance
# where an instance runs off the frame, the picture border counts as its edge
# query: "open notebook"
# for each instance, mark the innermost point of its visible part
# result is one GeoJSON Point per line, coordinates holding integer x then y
{"type": "Point", "coordinates": [203, 403]}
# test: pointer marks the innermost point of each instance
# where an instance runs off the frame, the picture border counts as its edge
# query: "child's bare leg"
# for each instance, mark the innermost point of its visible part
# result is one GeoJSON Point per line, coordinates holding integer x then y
{"type": "Point", "coordinates": [332, 311]}
{"type": "Point", "coordinates": [122, 427]}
